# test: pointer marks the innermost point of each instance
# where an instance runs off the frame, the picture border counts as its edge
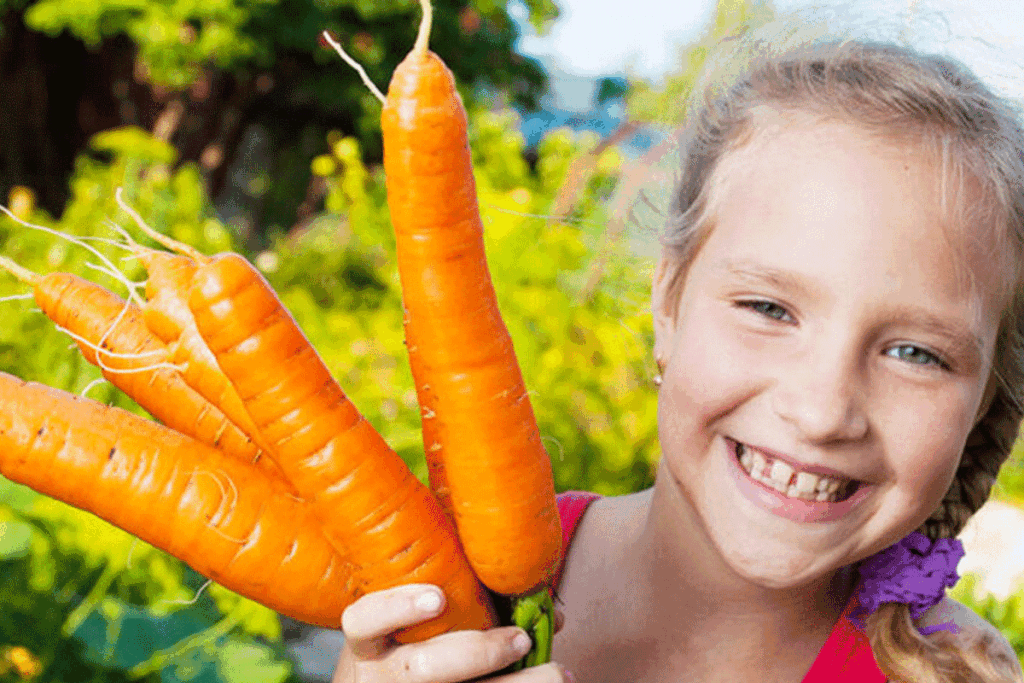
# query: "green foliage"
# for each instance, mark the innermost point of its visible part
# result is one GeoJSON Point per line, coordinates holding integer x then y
{"type": "Point", "coordinates": [174, 38]}
{"type": "Point", "coordinates": [88, 600]}
{"type": "Point", "coordinates": [1006, 615]}
{"type": "Point", "coordinates": [177, 40]}
{"type": "Point", "coordinates": [1010, 484]}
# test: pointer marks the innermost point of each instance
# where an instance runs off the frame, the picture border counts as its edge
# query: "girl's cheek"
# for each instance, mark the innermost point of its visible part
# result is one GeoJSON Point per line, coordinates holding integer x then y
{"type": "Point", "coordinates": [714, 368]}
{"type": "Point", "coordinates": [925, 426]}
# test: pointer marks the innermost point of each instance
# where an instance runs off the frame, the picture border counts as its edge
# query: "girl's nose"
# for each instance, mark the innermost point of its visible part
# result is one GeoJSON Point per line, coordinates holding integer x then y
{"type": "Point", "coordinates": [823, 398]}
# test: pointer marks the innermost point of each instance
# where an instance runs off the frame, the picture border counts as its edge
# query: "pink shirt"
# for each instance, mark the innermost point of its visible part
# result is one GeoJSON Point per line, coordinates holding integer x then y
{"type": "Point", "coordinates": [845, 657]}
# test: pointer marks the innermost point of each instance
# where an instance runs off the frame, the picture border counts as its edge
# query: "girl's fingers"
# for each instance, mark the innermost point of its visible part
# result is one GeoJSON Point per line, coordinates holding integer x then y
{"type": "Point", "coordinates": [369, 621]}
{"type": "Point", "coordinates": [459, 656]}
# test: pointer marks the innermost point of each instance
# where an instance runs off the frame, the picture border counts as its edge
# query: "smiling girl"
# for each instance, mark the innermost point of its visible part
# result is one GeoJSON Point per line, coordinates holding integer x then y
{"type": "Point", "coordinates": [838, 317]}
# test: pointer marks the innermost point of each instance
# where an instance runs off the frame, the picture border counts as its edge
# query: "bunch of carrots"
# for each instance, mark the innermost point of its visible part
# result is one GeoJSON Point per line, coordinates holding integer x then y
{"type": "Point", "coordinates": [263, 476]}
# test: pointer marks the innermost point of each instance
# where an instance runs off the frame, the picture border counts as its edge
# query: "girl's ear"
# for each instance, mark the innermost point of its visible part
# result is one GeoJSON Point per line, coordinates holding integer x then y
{"type": "Point", "coordinates": [664, 323]}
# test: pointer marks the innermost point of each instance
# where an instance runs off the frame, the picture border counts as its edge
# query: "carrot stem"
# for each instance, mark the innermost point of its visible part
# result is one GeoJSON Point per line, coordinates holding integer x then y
{"type": "Point", "coordinates": [535, 614]}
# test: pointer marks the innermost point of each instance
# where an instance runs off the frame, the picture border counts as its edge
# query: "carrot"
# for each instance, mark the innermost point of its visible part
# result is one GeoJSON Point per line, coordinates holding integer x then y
{"type": "Point", "coordinates": [166, 314]}
{"type": "Point", "coordinates": [166, 310]}
{"type": "Point", "coordinates": [497, 471]}
{"type": "Point", "coordinates": [112, 336]}
{"type": "Point", "coordinates": [432, 448]}
{"type": "Point", "coordinates": [370, 505]}
{"type": "Point", "coordinates": [222, 518]}
{"type": "Point", "coordinates": [372, 508]}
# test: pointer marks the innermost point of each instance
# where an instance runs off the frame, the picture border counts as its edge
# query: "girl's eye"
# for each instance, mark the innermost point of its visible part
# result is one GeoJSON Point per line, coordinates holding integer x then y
{"type": "Point", "coordinates": [768, 309]}
{"type": "Point", "coordinates": [917, 355]}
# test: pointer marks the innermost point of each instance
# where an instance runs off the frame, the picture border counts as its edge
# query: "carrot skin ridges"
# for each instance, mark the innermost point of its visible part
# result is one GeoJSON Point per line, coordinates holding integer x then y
{"type": "Point", "coordinates": [166, 313]}
{"type": "Point", "coordinates": [88, 310]}
{"type": "Point", "coordinates": [484, 421]}
{"type": "Point", "coordinates": [371, 507]}
{"type": "Point", "coordinates": [433, 450]}
{"type": "Point", "coordinates": [228, 522]}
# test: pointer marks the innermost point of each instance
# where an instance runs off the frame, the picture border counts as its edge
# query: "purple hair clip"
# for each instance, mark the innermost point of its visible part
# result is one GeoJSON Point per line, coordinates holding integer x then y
{"type": "Point", "coordinates": [914, 571]}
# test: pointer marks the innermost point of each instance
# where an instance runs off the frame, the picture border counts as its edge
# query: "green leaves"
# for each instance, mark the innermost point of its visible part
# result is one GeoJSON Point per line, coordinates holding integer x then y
{"type": "Point", "coordinates": [78, 592]}
{"type": "Point", "coordinates": [15, 538]}
{"type": "Point", "coordinates": [175, 37]}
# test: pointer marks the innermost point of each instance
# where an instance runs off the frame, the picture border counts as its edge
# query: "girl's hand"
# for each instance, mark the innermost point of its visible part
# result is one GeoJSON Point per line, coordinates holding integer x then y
{"type": "Point", "coordinates": [370, 654]}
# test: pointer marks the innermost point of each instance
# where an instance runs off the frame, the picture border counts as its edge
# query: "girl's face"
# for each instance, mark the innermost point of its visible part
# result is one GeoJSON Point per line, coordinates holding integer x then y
{"type": "Point", "coordinates": [830, 324]}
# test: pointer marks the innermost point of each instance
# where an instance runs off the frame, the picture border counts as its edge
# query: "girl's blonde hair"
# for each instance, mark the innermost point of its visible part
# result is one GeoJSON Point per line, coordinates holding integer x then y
{"type": "Point", "coordinates": [899, 93]}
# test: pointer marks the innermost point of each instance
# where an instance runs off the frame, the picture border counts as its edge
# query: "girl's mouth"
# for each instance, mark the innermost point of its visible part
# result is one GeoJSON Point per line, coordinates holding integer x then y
{"type": "Point", "coordinates": [783, 478]}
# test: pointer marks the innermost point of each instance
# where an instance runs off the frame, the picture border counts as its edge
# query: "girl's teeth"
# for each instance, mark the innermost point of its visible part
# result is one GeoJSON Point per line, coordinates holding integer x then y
{"type": "Point", "coordinates": [783, 478]}
{"type": "Point", "coordinates": [747, 460]}
{"type": "Point", "coordinates": [781, 474]}
{"type": "Point", "coordinates": [806, 482]}
{"type": "Point", "coordinates": [757, 470]}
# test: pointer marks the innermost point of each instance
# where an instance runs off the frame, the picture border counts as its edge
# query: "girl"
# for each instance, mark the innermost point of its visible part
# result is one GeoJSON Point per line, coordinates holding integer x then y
{"type": "Point", "coordinates": [838, 319]}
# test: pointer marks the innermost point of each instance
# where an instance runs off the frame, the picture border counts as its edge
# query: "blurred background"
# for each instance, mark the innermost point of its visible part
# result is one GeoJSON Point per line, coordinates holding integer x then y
{"type": "Point", "coordinates": [231, 125]}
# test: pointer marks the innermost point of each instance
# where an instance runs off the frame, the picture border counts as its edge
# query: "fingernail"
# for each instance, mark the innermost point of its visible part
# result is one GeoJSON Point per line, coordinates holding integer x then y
{"type": "Point", "coordinates": [429, 602]}
{"type": "Point", "coordinates": [522, 643]}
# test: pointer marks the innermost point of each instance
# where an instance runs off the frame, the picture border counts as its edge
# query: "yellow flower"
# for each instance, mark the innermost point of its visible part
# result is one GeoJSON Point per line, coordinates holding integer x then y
{"type": "Point", "coordinates": [23, 661]}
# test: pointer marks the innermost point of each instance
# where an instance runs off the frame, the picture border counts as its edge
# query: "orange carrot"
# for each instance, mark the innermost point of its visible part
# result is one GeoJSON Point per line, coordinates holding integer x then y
{"type": "Point", "coordinates": [166, 314]}
{"type": "Point", "coordinates": [497, 471]}
{"type": "Point", "coordinates": [432, 448]}
{"type": "Point", "coordinates": [166, 311]}
{"type": "Point", "coordinates": [222, 518]}
{"type": "Point", "coordinates": [370, 505]}
{"type": "Point", "coordinates": [132, 359]}
{"type": "Point", "coordinates": [372, 508]}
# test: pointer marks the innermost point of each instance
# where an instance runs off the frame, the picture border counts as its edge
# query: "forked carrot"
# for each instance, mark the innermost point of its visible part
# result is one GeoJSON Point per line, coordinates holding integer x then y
{"type": "Point", "coordinates": [222, 518]}
{"type": "Point", "coordinates": [370, 505]}
{"type": "Point", "coordinates": [497, 471]}
{"type": "Point", "coordinates": [166, 314]}
{"type": "Point", "coordinates": [111, 335]}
